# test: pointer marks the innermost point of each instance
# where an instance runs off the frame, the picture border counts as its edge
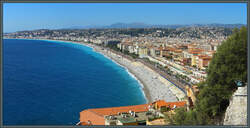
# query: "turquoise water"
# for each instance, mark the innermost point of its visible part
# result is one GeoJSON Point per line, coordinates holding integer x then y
{"type": "Point", "coordinates": [50, 82]}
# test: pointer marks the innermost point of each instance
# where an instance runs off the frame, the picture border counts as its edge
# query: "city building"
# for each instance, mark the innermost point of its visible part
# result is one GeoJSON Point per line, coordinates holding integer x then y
{"type": "Point", "coordinates": [145, 114]}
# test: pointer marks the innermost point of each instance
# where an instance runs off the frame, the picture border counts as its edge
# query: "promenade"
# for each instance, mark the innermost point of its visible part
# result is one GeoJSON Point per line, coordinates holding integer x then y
{"type": "Point", "coordinates": [156, 87]}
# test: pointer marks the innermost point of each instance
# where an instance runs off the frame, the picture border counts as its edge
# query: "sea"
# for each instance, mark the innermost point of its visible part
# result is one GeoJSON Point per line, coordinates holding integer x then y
{"type": "Point", "coordinates": [51, 82]}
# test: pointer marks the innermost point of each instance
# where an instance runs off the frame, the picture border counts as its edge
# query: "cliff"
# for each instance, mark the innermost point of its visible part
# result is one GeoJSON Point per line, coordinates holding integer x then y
{"type": "Point", "coordinates": [236, 113]}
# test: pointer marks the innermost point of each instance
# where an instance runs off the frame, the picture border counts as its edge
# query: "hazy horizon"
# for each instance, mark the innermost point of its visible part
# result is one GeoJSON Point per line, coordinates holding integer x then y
{"type": "Point", "coordinates": [33, 16]}
{"type": "Point", "coordinates": [101, 26]}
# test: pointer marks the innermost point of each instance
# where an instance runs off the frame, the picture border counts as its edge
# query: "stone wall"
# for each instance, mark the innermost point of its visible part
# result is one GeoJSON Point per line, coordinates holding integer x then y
{"type": "Point", "coordinates": [236, 113]}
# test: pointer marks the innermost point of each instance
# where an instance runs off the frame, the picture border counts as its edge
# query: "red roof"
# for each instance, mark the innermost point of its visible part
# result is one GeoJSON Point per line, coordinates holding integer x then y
{"type": "Point", "coordinates": [194, 50]}
{"type": "Point", "coordinates": [205, 57]}
{"type": "Point", "coordinates": [161, 103]}
{"type": "Point", "coordinates": [96, 116]}
{"type": "Point", "coordinates": [84, 123]}
{"type": "Point", "coordinates": [115, 110]}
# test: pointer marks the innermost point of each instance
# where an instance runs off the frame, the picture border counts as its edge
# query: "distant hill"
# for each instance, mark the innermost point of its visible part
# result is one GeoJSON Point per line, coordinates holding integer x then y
{"type": "Point", "coordinates": [143, 25]}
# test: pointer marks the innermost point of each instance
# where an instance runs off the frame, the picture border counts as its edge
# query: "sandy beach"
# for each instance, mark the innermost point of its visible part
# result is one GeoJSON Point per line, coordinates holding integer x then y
{"type": "Point", "coordinates": [155, 87]}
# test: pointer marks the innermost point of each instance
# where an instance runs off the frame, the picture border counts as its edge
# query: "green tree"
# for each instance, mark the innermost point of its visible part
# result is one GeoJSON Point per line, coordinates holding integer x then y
{"type": "Point", "coordinates": [191, 118]}
{"type": "Point", "coordinates": [228, 64]}
{"type": "Point", "coordinates": [179, 117]}
{"type": "Point", "coordinates": [230, 61]}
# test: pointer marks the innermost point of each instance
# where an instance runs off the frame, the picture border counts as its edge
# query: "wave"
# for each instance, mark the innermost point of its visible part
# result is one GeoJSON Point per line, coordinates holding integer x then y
{"type": "Point", "coordinates": [127, 70]}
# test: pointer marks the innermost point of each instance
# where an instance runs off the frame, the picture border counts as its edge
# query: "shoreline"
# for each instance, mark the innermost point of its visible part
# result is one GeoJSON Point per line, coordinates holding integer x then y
{"type": "Point", "coordinates": [146, 77]}
{"type": "Point", "coordinates": [144, 89]}
{"type": "Point", "coordinates": [155, 88]}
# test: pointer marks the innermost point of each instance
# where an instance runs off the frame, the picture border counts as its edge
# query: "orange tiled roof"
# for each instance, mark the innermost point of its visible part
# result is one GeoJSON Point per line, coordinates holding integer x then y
{"type": "Point", "coordinates": [205, 57]}
{"type": "Point", "coordinates": [84, 123]}
{"type": "Point", "coordinates": [161, 103]}
{"type": "Point", "coordinates": [96, 116]}
{"type": "Point", "coordinates": [115, 110]}
{"type": "Point", "coordinates": [178, 51]}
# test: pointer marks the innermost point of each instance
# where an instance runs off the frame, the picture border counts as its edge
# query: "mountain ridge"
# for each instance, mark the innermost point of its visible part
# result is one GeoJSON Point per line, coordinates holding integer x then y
{"type": "Point", "coordinates": [144, 25]}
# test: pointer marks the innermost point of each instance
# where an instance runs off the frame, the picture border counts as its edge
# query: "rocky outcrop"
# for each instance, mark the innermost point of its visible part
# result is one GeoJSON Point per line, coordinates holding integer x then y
{"type": "Point", "coordinates": [236, 113]}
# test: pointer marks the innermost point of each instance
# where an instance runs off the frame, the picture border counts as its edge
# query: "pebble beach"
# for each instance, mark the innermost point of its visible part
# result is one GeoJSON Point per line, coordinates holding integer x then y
{"type": "Point", "coordinates": [155, 87]}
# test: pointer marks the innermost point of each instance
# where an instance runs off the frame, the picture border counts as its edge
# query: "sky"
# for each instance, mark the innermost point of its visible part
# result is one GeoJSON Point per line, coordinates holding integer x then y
{"type": "Point", "coordinates": [30, 16]}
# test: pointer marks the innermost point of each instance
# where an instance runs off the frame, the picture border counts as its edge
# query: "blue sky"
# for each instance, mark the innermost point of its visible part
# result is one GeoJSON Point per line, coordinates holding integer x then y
{"type": "Point", "coordinates": [29, 16]}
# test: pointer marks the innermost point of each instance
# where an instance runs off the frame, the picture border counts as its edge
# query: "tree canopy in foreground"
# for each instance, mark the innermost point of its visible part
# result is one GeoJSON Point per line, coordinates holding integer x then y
{"type": "Point", "coordinates": [228, 65]}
